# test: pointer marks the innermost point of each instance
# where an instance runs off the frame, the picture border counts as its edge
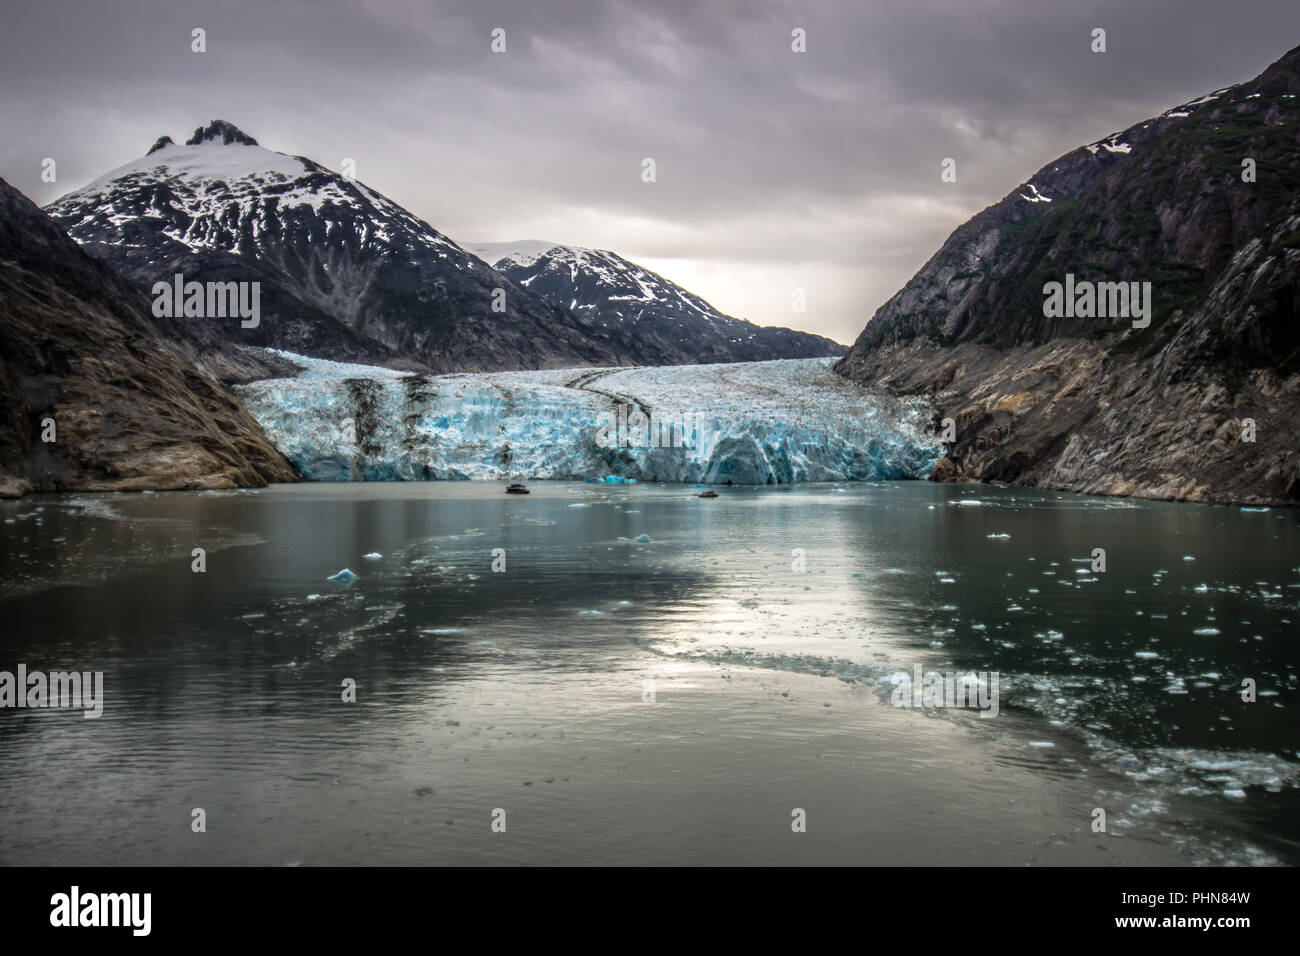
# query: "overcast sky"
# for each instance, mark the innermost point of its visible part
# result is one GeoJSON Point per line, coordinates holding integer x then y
{"type": "Point", "coordinates": [776, 170]}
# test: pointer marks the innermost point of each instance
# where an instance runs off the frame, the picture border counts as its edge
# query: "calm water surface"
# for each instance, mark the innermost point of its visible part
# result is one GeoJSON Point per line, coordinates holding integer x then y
{"type": "Point", "coordinates": [663, 701]}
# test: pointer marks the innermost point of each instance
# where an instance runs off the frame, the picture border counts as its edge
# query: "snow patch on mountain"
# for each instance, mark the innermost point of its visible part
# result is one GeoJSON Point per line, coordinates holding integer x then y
{"type": "Point", "coordinates": [1036, 197]}
{"type": "Point", "coordinates": [208, 189]}
{"type": "Point", "coordinates": [203, 162]}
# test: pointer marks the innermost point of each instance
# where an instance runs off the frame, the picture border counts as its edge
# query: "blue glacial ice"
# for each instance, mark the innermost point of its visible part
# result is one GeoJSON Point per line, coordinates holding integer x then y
{"type": "Point", "coordinates": [752, 423]}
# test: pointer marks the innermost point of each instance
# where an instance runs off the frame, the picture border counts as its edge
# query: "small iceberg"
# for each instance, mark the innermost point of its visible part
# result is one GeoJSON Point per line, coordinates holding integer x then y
{"type": "Point", "coordinates": [642, 539]}
{"type": "Point", "coordinates": [343, 577]}
{"type": "Point", "coordinates": [372, 556]}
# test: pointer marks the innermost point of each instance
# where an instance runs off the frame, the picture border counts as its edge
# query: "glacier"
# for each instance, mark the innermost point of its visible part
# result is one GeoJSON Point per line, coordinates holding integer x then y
{"type": "Point", "coordinates": [751, 423]}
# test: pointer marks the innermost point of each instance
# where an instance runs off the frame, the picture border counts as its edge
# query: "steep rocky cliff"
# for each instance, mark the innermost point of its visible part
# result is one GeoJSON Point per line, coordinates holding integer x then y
{"type": "Point", "coordinates": [135, 401]}
{"type": "Point", "coordinates": [1197, 405]}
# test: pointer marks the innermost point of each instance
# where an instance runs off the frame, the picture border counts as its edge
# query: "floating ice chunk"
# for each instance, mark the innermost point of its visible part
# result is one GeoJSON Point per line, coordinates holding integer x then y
{"type": "Point", "coordinates": [642, 539]}
{"type": "Point", "coordinates": [343, 577]}
{"type": "Point", "coordinates": [1000, 535]}
{"type": "Point", "coordinates": [589, 613]}
{"type": "Point", "coordinates": [1235, 794]}
{"type": "Point", "coordinates": [1147, 655]}
{"type": "Point", "coordinates": [1189, 557]}
{"type": "Point", "coordinates": [372, 556]}
{"type": "Point", "coordinates": [1207, 632]}
{"type": "Point", "coordinates": [1041, 744]}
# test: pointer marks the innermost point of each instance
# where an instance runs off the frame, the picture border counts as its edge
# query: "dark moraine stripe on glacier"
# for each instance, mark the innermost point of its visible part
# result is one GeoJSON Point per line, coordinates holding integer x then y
{"type": "Point", "coordinates": [755, 423]}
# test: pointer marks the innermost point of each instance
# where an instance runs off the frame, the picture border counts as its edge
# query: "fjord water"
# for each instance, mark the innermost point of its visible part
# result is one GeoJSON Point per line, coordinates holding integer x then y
{"type": "Point", "coordinates": [670, 700]}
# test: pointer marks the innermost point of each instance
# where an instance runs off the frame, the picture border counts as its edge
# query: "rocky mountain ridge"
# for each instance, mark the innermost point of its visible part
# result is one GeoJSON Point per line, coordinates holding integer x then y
{"type": "Point", "coordinates": [669, 325]}
{"type": "Point", "coordinates": [1198, 404]}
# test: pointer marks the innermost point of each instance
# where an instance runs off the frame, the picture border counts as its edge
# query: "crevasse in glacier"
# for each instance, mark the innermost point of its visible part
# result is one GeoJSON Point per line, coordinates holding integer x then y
{"type": "Point", "coordinates": [751, 423]}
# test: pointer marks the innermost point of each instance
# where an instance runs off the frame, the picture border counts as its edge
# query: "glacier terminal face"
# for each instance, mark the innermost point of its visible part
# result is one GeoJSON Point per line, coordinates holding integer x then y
{"type": "Point", "coordinates": [753, 423]}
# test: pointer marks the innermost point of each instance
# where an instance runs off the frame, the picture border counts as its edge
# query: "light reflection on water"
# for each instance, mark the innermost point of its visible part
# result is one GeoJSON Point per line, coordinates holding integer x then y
{"type": "Point", "coordinates": [529, 687]}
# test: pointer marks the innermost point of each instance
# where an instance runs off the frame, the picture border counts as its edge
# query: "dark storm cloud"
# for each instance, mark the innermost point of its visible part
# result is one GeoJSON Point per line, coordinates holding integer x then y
{"type": "Point", "coordinates": [775, 170]}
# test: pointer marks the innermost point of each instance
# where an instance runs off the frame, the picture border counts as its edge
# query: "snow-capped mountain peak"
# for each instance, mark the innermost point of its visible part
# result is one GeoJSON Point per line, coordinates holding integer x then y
{"type": "Point", "coordinates": [631, 301]}
{"type": "Point", "coordinates": [345, 272]}
{"type": "Point", "coordinates": [219, 154]}
{"type": "Point", "coordinates": [521, 252]}
{"type": "Point", "coordinates": [603, 281]}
